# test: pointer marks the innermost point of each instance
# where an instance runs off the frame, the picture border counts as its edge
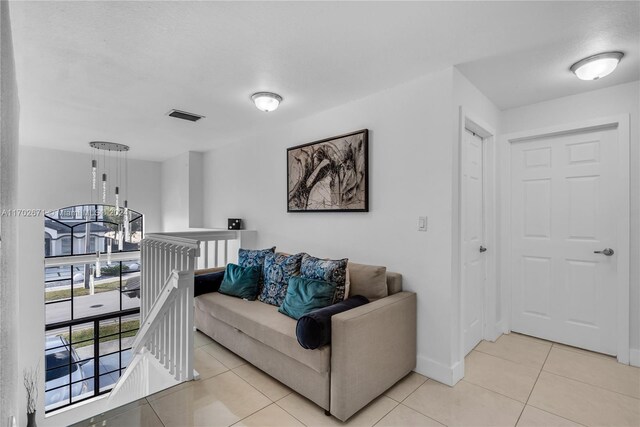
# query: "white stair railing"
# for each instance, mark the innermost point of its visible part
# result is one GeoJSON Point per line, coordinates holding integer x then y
{"type": "Point", "coordinates": [168, 262]}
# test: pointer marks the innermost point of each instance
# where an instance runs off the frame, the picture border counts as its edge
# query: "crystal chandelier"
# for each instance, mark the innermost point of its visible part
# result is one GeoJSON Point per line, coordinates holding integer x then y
{"type": "Point", "coordinates": [110, 162]}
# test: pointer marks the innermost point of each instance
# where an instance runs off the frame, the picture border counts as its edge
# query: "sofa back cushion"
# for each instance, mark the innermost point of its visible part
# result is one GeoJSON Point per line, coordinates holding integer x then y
{"type": "Point", "coordinates": [369, 281]}
{"type": "Point", "coordinates": [278, 269]}
{"type": "Point", "coordinates": [241, 282]}
{"type": "Point", "coordinates": [334, 271]}
{"type": "Point", "coordinates": [305, 295]}
{"type": "Point", "coordinates": [254, 258]}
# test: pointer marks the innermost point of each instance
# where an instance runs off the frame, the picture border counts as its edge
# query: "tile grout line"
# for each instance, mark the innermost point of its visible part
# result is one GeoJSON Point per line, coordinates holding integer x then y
{"type": "Point", "coordinates": [513, 361]}
{"type": "Point", "coordinates": [492, 391]}
{"type": "Point", "coordinates": [534, 385]}
{"type": "Point", "coordinates": [387, 413]}
{"type": "Point", "coordinates": [294, 417]}
{"type": "Point", "coordinates": [273, 402]}
{"type": "Point", "coordinates": [584, 382]}
{"type": "Point", "coordinates": [409, 407]}
{"type": "Point", "coordinates": [154, 411]}
{"type": "Point", "coordinates": [586, 353]}
{"type": "Point", "coordinates": [556, 415]}
{"type": "Point", "coordinates": [592, 385]}
{"type": "Point", "coordinates": [424, 415]}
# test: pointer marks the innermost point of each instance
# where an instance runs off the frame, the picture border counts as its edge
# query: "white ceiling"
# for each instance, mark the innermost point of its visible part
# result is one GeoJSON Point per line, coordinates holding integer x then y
{"type": "Point", "coordinates": [112, 70]}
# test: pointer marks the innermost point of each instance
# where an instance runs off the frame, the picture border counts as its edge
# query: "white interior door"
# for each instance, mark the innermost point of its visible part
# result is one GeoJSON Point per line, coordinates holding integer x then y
{"type": "Point", "coordinates": [563, 210]}
{"type": "Point", "coordinates": [472, 229]}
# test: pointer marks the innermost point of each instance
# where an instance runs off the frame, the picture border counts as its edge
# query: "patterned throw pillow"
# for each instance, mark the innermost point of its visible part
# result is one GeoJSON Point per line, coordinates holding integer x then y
{"type": "Point", "coordinates": [254, 258]}
{"type": "Point", "coordinates": [328, 270]}
{"type": "Point", "coordinates": [278, 268]}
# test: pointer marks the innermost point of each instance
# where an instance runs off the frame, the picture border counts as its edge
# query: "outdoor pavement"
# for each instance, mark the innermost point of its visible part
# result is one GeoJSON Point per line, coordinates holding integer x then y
{"type": "Point", "coordinates": [89, 305]}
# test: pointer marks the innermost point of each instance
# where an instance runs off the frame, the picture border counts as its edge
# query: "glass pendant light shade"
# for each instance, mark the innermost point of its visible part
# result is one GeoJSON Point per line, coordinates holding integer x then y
{"type": "Point", "coordinates": [125, 222]}
{"type": "Point", "coordinates": [98, 272]}
{"type": "Point", "coordinates": [104, 188]}
{"type": "Point", "coordinates": [120, 240]}
{"type": "Point", "coordinates": [117, 199]}
{"type": "Point", "coordinates": [94, 171]}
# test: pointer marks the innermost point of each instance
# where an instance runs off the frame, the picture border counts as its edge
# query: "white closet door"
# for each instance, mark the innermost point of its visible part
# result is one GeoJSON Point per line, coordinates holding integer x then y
{"type": "Point", "coordinates": [562, 211]}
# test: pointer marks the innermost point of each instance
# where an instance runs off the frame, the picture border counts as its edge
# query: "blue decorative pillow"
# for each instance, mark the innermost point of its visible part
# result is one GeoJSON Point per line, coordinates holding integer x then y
{"type": "Point", "coordinates": [254, 258]}
{"type": "Point", "coordinates": [278, 269]}
{"type": "Point", "coordinates": [241, 282]}
{"type": "Point", "coordinates": [205, 283]}
{"type": "Point", "coordinates": [305, 295]}
{"type": "Point", "coordinates": [328, 270]}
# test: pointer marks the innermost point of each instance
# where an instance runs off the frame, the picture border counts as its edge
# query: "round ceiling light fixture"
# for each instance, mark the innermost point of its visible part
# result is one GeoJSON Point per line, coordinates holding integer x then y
{"type": "Point", "coordinates": [266, 101]}
{"type": "Point", "coordinates": [596, 66]}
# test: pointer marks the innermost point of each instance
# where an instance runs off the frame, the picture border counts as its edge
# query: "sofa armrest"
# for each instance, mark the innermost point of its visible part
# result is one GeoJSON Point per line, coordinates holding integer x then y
{"type": "Point", "coordinates": [208, 270]}
{"type": "Point", "coordinates": [372, 347]}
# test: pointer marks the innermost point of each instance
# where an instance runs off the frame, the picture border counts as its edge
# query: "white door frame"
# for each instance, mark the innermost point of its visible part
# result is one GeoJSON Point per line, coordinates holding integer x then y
{"type": "Point", "coordinates": [490, 331]}
{"type": "Point", "coordinates": [620, 122]}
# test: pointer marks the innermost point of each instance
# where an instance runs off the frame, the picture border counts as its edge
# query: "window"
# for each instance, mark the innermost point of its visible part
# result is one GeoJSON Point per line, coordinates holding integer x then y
{"type": "Point", "coordinates": [92, 302]}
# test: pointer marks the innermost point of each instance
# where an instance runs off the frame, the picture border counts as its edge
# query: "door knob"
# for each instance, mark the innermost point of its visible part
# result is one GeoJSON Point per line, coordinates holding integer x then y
{"type": "Point", "coordinates": [606, 251]}
{"type": "Point", "coordinates": [483, 249]}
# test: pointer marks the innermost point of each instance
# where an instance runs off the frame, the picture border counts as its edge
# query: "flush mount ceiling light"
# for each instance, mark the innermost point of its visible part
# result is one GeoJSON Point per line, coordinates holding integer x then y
{"type": "Point", "coordinates": [266, 101]}
{"type": "Point", "coordinates": [596, 66]}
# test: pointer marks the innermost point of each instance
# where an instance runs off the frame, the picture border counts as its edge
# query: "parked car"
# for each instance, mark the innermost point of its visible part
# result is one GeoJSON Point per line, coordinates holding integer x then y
{"type": "Point", "coordinates": [60, 361]}
{"type": "Point", "coordinates": [132, 287]}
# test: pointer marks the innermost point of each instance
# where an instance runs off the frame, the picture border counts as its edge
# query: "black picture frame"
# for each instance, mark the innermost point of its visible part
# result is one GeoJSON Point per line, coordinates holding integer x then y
{"type": "Point", "coordinates": [329, 175]}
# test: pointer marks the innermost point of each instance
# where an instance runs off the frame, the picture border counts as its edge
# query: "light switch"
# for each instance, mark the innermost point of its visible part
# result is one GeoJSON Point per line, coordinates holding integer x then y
{"type": "Point", "coordinates": [422, 223]}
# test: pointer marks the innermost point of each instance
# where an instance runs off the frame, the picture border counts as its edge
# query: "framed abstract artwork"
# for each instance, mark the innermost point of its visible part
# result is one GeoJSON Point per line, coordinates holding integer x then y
{"type": "Point", "coordinates": [331, 175]}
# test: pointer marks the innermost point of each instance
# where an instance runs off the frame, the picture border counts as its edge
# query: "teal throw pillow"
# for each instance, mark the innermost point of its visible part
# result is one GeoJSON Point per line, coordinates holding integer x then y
{"type": "Point", "coordinates": [241, 282]}
{"type": "Point", "coordinates": [329, 270]}
{"type": "Point", "coordinates": [305, 295]}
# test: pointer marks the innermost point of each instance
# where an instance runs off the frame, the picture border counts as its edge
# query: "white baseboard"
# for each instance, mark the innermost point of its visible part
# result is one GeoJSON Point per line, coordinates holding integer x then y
{"type": "Point", "coordinates": [634, 357]}
{"type": "Point", "coordinates": [440, 372]}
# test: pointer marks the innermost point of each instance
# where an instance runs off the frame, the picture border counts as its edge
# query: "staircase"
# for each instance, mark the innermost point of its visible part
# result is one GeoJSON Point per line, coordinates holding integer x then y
{"type": "Point", "coordinates": [164, 346]}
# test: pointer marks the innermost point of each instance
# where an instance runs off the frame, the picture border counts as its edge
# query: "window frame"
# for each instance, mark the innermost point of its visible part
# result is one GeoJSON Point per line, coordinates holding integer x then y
{"type": "Point", "coordinates": [70, 260]}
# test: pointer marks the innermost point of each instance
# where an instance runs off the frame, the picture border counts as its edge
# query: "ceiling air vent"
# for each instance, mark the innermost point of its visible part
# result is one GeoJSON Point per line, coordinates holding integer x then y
{"type": "Point", "coordinates": [184, 115]}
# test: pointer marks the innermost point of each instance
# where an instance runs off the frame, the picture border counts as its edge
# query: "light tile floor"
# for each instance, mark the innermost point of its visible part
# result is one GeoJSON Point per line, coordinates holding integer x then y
{"type": "Point", "coordinates": [517, 380]}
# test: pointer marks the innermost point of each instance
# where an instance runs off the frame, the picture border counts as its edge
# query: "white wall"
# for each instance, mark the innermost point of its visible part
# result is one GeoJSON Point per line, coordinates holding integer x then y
{"type": "Point", "coordinates": [182, 192]}
{"type": "Point", "coordinates": [175, 193]}
{"type": "Point", "coordinates": [410, 169]}
{"type": "Point", "coordinates": [9, 121]}
{"type": "Point", "coordinates": [621, 99]}
{"type": "Point", "coordinates": [51, 179]}
{"type": "Point", "coordinates": [196, 181]}
{"type": "Point", "coordinates": [468, 102]}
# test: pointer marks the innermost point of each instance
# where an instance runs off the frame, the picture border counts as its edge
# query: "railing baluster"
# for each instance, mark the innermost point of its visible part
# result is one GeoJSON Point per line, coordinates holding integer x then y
{"type": "Point", "coordinates": [206, 254]}
{"type": "Point", "coordinates": [168, 262]}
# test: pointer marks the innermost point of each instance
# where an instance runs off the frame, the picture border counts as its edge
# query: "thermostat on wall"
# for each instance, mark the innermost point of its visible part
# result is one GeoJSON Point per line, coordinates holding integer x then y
{"type": "Point", "coordinates": [234, 223]}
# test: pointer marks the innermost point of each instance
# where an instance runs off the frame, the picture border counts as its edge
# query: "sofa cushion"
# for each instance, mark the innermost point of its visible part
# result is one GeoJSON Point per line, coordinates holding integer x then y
{"type": "Point", "coordinates": [328, 270]}
{"type": "Point", "coordinates": [368, 280]}
{"type": "Point", "coordinates": [278, 269]}
{"type": "Point", "coordinates": [254, 258]}
{"type": "Point", "coordinates": [208, 282]}
{"type": "Point", "coordinates": [241, 282]}
{"type": "Point", "coordinates": [262, 322]}
{"type": "Point", "coordinates": [305, 295]}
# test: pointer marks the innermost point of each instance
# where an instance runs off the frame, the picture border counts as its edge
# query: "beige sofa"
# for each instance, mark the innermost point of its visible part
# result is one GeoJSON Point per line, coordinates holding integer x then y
{"type": "Point", "coordinates": [372, 346]}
